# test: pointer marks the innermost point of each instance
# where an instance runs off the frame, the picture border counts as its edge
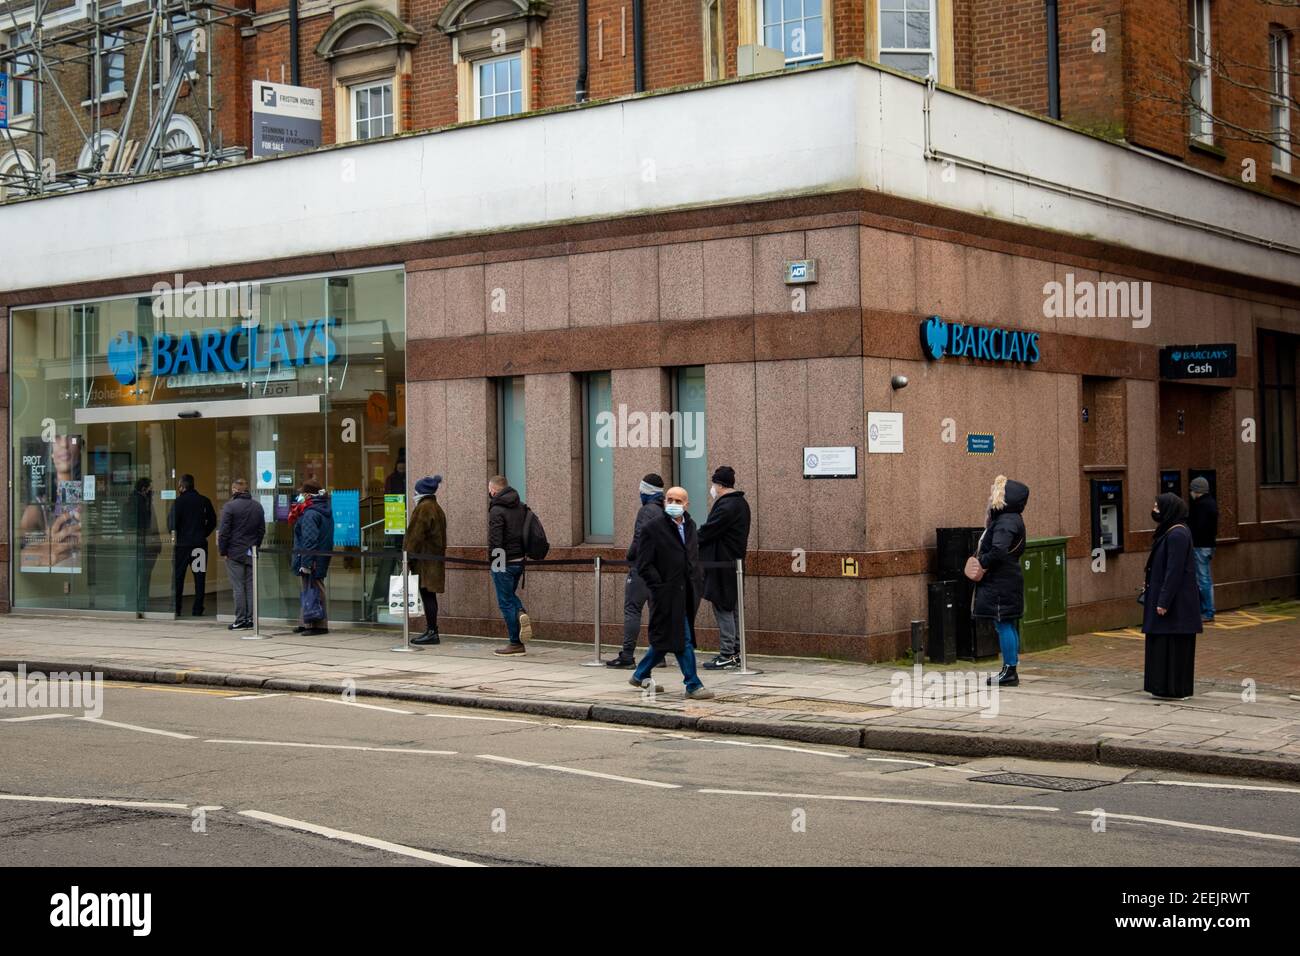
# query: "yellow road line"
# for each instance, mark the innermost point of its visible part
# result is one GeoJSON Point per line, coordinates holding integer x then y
{"type": "Point", "coordinates": [210, 692]}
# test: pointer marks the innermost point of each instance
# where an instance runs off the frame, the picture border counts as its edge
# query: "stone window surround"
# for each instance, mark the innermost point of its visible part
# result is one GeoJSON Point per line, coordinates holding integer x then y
{"type": "Point", "coordinates": [387, 60]}
{"type": "Point", "coordinates": [523, 28]}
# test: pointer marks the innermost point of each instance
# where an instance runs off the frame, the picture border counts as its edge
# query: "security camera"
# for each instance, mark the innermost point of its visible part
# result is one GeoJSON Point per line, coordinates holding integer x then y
{"type": "Point", "coordinates": [898, 381]}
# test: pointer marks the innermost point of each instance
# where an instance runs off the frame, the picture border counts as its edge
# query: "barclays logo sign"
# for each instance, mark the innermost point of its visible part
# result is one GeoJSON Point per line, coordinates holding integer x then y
{"type": "Point", "coordinates": [216, 350]}
{"type": "Point", "coordinates": [940, 338]}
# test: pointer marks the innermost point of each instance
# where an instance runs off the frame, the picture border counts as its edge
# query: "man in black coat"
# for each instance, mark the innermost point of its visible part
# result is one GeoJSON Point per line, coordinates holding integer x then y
{"type": "Point", "coordinates": [668, 560]}
{"type": "Point", "coordinates": [507, 516]}
{"type": "Point", "coordinates": [1204, 522]}
{"type": "Point", "coordinates": [724, 537]}
{"type": "Point", "coordinates": [191, 519]}
{"type": "Point", "coordinates": [243, 525]}
{"type": "Point", "coordinates": [635, 593]}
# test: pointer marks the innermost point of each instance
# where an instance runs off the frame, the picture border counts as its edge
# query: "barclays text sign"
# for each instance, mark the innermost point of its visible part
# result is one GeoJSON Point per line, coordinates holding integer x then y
{"type": "Point", "coordinates": [940, 338]}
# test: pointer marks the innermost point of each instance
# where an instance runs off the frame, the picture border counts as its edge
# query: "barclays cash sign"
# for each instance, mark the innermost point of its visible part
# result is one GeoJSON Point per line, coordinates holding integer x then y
{"type": "Point", "coordinates": [940, 338]}
{"type": "Point", "coordinates": [218, 350]}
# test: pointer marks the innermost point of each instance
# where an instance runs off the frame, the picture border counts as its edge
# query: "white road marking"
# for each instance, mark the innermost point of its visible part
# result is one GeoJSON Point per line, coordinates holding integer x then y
{"type": "Point", "coordinates": [581, 773]}
{"type": "Point", "coordinates": [502, 720]}
{"type": "Point", "coordinates": [351, 703]}
{"type": "Point", "coordinates": [95, 802]}
{"type": "Point", "coordinates": [357, 838]}
{"type": "Point", "coordinates": [899, 800]}
{"type": "Point", "coordinates": [746, 743]}
{"type": "Point", "coordinates": [295, 743]}
{"type": "Point", "coordinates": [143, 730]}
{"type": "Point", "coordinates": [919, 763]}
{"type": "Point", "coordinates": [1207, 786]}
{"type": "Point", "coordinates": [19, 720]}
{"type": "Point", "coordinates": [607, 730]}
{"type": "Point", "coordinates": [254, 696]}
{"type": "Point", "coordinates": [1183, 825]}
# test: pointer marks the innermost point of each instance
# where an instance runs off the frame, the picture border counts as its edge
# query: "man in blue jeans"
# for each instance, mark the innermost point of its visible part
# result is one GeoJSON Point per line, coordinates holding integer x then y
{"type": "Point", "coordinates": [506, 516]}
{"type": "Point", "coordinates": [1203, 519]}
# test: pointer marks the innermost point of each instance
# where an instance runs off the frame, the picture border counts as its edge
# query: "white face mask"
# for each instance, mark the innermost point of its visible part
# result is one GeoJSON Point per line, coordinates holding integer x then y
{"type": "Point", "coordinates": [674, 509]}
{"type": "Point", "coordinates": [713, 491]}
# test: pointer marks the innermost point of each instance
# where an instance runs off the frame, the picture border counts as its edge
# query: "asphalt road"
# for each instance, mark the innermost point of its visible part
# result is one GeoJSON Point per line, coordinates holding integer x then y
{"type": "Point", "coordinates": [292, 779]}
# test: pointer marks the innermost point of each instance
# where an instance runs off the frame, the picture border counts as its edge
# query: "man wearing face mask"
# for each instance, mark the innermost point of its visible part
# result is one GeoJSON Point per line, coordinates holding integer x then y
{"type": "Point", "coordinates": [635, 593]}
{"type": "Point", "coordinates": [668, 560]}
{"type": "Point", "coordinates": [724, 537]}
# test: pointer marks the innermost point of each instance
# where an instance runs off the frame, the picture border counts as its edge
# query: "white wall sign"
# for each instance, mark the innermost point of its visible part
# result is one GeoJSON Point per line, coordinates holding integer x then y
{"type": "Point", "coordinates": [88, 488]}
{"type": "Point", "coordinates": [884, 433]}
{"type": "Point", "coordinates": [836, 461]}
{"type": "Point", "coordinates": [266, 470]}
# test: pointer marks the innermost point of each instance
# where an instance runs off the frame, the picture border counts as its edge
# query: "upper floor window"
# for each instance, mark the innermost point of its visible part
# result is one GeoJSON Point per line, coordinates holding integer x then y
{"type": "Point", "coordinates": [182, 41]}
{"type": "Point", "coordinates": [1200, 63]}
{"type": "Point", "coordinates": [907, 36]}
{"type": "Point", "coordinates": [794, 27]}
{"type": "Point", "coordinates": [22, 92]}
{"type": "Point", "coordinates": [372, 110]}
{"type": "Point", "coordinates": [498, 87]}
{"type": "Point", "coordinates": [111, 74]}
{"type": "Point", "coordinates": [1279, 69]}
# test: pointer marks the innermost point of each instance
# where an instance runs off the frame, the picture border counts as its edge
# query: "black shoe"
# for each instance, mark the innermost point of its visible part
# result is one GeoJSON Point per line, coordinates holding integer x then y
{"type": "Point", "coordinates": [997, 678]}
{"type": "Point", "coordinates": [723, 662]}
{"type": "Point", "coordinates": [428, 637]}
{"type": "Point", "coordinates": [1008, 678]}
{"type": "Point", "coordinates": [301, 628]}
{"type": "Point", "coordinates": [312, 631]}
{"type": "Point", "coordinates": [620, 661]}
{"type": "Point", "coordinates": [241, 626]}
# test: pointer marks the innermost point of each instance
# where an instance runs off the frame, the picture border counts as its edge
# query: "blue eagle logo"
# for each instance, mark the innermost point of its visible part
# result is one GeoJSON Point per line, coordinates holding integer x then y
{"type": "Point", "coordinates": [124, 355]}
{"type": "Point", "coordinates": [934, 337]}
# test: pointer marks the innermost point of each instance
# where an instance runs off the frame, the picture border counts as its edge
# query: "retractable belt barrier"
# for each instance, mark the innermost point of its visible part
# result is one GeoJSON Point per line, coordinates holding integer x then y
{"type": "Point", "coordinates": [597, 563]}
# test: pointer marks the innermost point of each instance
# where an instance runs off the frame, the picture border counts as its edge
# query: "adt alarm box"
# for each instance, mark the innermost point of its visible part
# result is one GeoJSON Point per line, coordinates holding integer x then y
{"type": "Point", "coordinates": [1108, 514]}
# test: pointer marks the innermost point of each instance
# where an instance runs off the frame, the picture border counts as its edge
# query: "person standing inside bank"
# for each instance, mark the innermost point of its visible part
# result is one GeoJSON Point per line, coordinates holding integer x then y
{"type": "Point", "coordinates": [242, 528]}
{"type": "Point", "coordinates": [313, 531]}
{"type": "Point", "coordinates": [148, 543]}
{"type": "Point", "coordinates": [724, 537]}
{"type": "Point", "coordinates": [191, 519]}
{"type": "Point", "coordinates": [506, 518]}
{"type": "Point", "coordinates": [995, 567]}
{"type": "Point", "coordinates": [1203, 519]}
{"type": "Point", "coordinates": [635, 593]}
{"type": "Point", "coordinates": [668, 560]}
{"type": "Point", "coordinates": [1170, 604]}
{"type": "Point", "coordinates": [427, 534]}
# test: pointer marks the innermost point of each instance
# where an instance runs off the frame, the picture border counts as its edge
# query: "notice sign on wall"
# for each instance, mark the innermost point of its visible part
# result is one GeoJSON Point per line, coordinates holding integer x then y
{"type": "Point", "coordinates": [394, 514]}
{"type": "Point", "coordinates": [286, 119]}
{"type": "Point", "coordinates": [1198, 361]}
{"type": "Point", "coordinates": [831, 462]}
{"type": "Point", "coordinates": [885, 433]}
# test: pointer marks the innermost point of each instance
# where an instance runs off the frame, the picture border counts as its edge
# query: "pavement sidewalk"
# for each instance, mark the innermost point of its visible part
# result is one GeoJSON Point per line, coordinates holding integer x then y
{"type": "Point", "coordinates": [1082, 702]}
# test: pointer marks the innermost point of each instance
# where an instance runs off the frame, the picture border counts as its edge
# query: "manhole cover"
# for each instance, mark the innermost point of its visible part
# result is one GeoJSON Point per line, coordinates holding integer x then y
{"type": "Point", "coordinates": [1041, 782]}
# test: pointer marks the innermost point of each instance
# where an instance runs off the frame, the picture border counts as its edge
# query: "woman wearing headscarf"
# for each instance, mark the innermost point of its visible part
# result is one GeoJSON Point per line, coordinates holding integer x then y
{"type": "Point", "coordinates": [995, 567]}
{"type": "Point", "coordinates": [427, 534]}
{"type": "Point", "coordinates": [1171, 616]}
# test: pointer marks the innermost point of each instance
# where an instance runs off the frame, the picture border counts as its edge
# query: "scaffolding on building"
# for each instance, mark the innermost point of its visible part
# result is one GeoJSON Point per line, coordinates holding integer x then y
{"type": "Point", "coordinates": [175, 43]}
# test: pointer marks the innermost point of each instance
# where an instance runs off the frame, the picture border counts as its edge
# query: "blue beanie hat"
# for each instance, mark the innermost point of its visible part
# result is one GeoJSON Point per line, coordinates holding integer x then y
{"type": "Point", "coordinates": [428, 486]}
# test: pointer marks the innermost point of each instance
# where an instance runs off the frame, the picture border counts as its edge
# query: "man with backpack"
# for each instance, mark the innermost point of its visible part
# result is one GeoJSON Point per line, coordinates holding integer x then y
{"type": "Point", "coordinates": [514, 533]}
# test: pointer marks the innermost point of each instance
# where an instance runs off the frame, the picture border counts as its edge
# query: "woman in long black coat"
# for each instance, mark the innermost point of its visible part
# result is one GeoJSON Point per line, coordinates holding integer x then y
{"type": "Point", "coordinates": [1000, 593]}
{"type": "Point", "coordinates": [1171, 616]}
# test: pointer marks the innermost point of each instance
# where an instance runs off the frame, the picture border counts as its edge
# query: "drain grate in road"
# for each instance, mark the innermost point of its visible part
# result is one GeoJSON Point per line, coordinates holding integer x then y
{"type": "Point", "coordinates": [1042, 782]}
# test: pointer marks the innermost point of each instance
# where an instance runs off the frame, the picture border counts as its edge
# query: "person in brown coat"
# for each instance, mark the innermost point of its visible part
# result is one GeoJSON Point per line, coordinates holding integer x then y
{"type": "Point", "coordinates": [427, 534]}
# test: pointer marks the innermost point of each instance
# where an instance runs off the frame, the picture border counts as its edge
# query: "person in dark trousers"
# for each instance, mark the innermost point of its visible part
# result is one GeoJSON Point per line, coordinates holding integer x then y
{"type": "Point", "coordinates": [1000, 587]}
{"type": "Point", "coordinates": [191, 519]}
{"type": "Point", "coordinates": [313, 530]}
{"type": "Point", "coordinates": [506, 516]}
{"type": "Point", "coordinates": [1203, 519]}
{"type": "Point", "coordinates": [394, 484]}
{"type": "Point", "coordinates": [242, 528]}
{"type": "Point", "coordinates": [724, 537]}
{"type": "Point", "coordinates": [427, 534]}
{"type": "Point", "coordinates": [148, 543]}
{"type": "Point", "coordinates": [1171, 616]}
{"type": "Point", "coordinates": [635, 593]}
{"type": "Point", "coordinates": [668, 560]}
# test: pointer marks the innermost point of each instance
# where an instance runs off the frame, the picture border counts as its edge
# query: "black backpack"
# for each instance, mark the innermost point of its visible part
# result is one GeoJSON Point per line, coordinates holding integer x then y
{"type": "Point", "coordinates": [536, 547]}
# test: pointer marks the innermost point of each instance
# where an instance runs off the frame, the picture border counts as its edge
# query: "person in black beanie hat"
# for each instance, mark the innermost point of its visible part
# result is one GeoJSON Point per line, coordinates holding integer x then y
{"type": "Point", "coordinates": [427, 534]}
{"type": "Point", "coordinates": [724, 537]}
{"type": "Point", "coordinates": [635, 592]}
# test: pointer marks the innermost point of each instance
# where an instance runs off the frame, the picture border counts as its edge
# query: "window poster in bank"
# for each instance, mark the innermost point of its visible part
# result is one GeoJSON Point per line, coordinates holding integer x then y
{"type": "Point", "coordinates": [50, 503]}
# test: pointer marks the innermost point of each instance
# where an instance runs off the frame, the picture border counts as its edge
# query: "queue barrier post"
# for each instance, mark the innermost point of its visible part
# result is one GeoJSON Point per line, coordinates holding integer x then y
{"type": "Point", "coordinates": [740, 618]}
{"type": "Point", "coordinates": [257, 620]}
{"type": "Point", "coordinates": [406, 647]}
{"type": "Point", "coordinates": [596, 662]}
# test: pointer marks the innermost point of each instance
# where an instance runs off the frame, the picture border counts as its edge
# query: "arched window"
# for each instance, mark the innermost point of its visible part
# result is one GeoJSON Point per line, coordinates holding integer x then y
{"type": "Point", "coordinates": [492, 43]}
{"type": "Point", "coordinates": [370, 55]}
{"type": "Point", "coordinates": [183, 144]}
{"type": "Point", "coordinates": [97, 146]}
{"type": "Point", "coordinates": [17, 171]}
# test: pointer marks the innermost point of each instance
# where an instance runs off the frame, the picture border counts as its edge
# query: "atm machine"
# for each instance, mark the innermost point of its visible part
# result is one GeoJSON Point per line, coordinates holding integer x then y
{"type": "Point", "coordinates": [1108, 514]}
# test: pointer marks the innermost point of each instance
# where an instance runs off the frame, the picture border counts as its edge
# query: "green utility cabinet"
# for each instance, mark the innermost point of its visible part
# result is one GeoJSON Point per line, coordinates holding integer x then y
{"type": "Point", "coordinates": [1043, 625]}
